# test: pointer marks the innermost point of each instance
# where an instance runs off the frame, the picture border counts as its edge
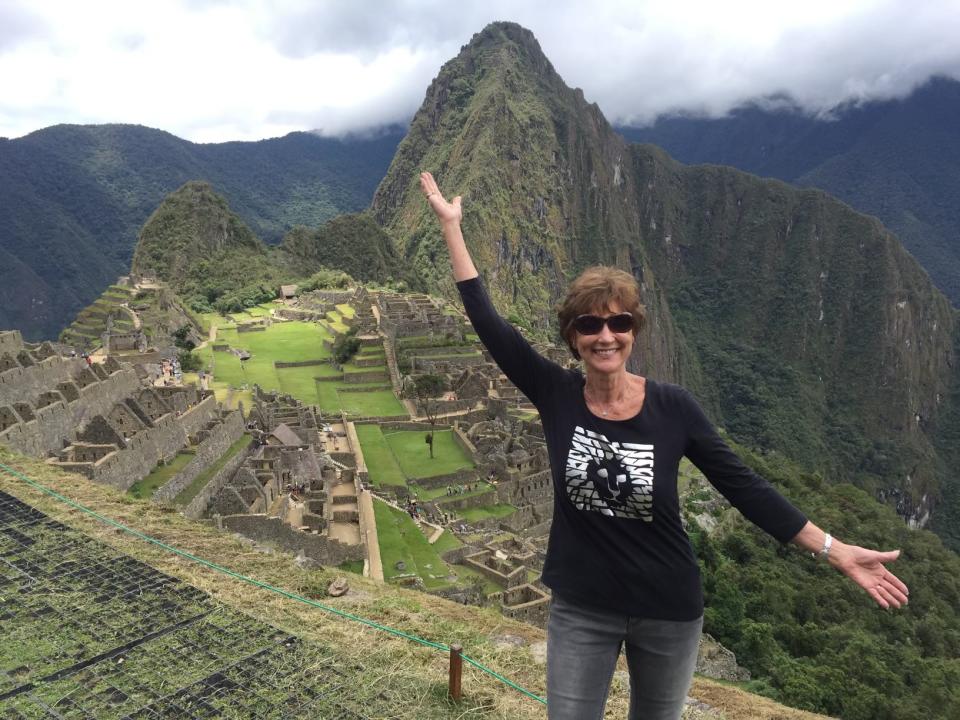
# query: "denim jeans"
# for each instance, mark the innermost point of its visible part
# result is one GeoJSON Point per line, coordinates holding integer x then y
{"type": "Point", "coordinates": [583, 644]}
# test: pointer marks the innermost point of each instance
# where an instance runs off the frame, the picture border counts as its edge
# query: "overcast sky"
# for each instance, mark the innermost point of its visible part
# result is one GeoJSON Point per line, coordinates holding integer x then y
{"type": "Point", "coordinates": [216, 70]}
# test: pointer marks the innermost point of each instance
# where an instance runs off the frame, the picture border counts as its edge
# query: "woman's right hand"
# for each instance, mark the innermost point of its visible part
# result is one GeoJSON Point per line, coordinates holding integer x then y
{"type": "Point", "coordinates": [447, 212]}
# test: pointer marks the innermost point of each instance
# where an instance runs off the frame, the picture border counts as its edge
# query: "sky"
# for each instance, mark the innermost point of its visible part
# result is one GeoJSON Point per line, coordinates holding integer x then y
{"type": "Point", "coordinates": [218, 70]}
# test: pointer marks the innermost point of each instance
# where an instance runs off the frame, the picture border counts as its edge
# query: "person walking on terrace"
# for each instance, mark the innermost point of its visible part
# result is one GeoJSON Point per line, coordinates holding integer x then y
{"type": "Point", "coordinates": [619, 564]}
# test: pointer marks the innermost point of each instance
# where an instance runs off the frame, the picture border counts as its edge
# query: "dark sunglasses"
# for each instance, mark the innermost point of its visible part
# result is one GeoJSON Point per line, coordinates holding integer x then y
{"type": "Point", "coordinates": [593, 324]}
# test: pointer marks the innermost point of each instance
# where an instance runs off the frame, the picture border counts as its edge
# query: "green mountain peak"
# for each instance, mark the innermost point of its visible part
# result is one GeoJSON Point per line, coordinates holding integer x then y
{"type": "Point", "coordinates": [803, 325]}
{"type": "Point", "coordinates": [193, 223]}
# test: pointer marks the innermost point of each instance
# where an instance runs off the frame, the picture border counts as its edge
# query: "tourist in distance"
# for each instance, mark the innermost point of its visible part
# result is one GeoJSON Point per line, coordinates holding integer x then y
{"type": "Point", "coordinates": [620, 566]}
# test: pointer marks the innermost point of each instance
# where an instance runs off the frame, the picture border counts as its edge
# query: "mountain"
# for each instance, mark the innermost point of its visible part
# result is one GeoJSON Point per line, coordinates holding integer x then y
{"type": "Point", "coordinates": [804, 326]}
{"type": "Point", "coordinates": [354, 243]}
{"type": "Point", "coordinates": [73, 198]}
{"type": "Point", "coordinates": [205, 252]}
{"type": "Point", "coordinates": [898, 160]}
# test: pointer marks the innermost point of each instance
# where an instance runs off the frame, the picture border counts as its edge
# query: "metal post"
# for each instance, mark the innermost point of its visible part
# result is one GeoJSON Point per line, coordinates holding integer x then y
{"type": "Point", "coordinates": [456, 667]}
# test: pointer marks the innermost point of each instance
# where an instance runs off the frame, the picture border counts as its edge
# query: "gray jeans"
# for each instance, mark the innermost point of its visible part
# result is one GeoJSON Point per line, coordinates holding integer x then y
{"type": "Point", "coordinates": [583, 644]}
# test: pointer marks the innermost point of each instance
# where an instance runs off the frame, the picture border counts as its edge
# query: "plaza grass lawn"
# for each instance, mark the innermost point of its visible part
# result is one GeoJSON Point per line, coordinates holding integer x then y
{"type": "Point", "coordinates": [447, 541]}
{"type": "Point", "coordinates": [482, 513]}
{"type": "Point", "coordinates": [346, 310]}
{"type": "Point", "coordinates": [379, 403]}
{"type": "Point", "coordinates": [285, 341]}
{"type": "Point", "coordinates": [381, 465]}
{"type": "Point", "coordinates": [299, 382]}
{"type": "Point", "coordinates": [145, 488]}
{"type": "Point", "coordinates": [201, 480]}
{"type": "Point", "coordinates": [401, 539]}
{"type": "Point", "coordinates": [413, 454]}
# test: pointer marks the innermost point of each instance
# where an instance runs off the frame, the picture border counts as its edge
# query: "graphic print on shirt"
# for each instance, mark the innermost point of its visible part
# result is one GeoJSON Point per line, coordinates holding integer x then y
{"type": "Point", "coordinates": [612, 478]}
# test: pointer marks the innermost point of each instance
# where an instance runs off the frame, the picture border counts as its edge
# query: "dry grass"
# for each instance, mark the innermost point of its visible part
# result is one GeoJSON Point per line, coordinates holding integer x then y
{"type": "Point", "coordinates": [381, 654]}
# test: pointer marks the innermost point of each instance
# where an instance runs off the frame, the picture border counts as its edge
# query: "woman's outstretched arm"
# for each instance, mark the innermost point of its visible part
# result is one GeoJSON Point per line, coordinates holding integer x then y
{"type": "Point", "coordinates": [865, 567]}
{"type": "Point", "coordinates": [449, 214]}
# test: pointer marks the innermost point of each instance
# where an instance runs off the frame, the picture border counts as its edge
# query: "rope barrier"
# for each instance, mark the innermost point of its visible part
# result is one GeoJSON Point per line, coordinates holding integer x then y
{"type": "Point", "coordinates": [262, 585]}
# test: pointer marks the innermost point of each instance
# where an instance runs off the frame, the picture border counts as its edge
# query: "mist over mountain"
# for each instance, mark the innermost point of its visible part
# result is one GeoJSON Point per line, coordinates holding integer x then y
{"type": "Point", "coordinates": [803, 324]}
{"type": "Point", "coordinates": [898, 160]}
{"type": "Point", "coordinates": [73, 199]}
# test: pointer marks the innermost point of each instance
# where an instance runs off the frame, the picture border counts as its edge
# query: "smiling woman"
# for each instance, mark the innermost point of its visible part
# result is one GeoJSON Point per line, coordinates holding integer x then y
{"type": "Point", "coordinates": [619, 564]}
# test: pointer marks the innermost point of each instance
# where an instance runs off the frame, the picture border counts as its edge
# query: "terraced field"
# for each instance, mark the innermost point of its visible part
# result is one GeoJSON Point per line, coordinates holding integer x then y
{"type": "Point", "coordinates": [298, 342]}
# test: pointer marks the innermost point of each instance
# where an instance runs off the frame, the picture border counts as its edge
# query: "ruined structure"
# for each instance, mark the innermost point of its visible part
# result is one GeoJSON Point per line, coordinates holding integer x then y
{"type": "Point", "coordinates": [98, 419]}
{"type": "Point", "coordinates": [288, 491]}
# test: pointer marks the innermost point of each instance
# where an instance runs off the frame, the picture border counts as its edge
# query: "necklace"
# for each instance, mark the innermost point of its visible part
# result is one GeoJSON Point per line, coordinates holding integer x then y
{"type": "Point", "coordinates": [609, 408]}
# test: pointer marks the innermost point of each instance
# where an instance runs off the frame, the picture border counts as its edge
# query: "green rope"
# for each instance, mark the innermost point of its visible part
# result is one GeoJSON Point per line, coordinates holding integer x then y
{"type": "Point", "coordinates": [257, 583]}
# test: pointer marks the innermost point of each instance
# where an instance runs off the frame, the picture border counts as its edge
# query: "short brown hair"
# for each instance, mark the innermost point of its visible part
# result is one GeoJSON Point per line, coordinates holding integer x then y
{"type": "Point", "coordinates": [594, 290]}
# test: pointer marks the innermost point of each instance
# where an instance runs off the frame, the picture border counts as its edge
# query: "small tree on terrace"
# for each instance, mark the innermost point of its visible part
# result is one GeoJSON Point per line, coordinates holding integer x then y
{"type": "Point", "coordinates": [425, 390]}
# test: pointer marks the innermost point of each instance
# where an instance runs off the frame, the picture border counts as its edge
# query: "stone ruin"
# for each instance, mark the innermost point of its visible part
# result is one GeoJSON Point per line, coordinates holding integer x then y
{"type": "Point", "coordinates": [288, 491]}
{"type": "Point", "coordinates": [98, 419]}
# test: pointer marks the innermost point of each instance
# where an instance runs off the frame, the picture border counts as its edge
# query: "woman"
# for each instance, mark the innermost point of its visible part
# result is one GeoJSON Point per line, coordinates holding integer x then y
{"type": "Point", "coordinates": [619, 564]}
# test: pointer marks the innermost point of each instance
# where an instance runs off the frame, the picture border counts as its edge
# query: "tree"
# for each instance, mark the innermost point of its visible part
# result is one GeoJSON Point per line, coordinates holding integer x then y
{"type": "Point", "coordinates": [425, 389]}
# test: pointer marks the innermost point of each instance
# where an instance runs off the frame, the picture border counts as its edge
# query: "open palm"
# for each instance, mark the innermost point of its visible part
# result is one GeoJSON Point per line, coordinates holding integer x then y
{"type": "Point", "coordinates": [446, 212]}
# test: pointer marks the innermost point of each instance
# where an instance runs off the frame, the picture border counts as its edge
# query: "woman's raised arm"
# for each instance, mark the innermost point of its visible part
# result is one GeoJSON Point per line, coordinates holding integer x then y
{"type": "Point", "coordinates": [449, 214]}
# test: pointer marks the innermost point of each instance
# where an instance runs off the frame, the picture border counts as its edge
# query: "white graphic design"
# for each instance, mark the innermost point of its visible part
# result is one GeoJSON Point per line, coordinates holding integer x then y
{"type": "Point", "coordinates": [612, 478]}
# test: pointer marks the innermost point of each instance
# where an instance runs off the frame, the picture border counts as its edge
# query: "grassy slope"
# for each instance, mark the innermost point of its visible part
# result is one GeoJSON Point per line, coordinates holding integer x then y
{"type": "Point", "coordinates": [424, 615]}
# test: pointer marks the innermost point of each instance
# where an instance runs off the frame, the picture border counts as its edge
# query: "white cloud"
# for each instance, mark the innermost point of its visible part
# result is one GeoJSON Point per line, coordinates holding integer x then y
{"type": "Point", "coordinates": [213, 71]}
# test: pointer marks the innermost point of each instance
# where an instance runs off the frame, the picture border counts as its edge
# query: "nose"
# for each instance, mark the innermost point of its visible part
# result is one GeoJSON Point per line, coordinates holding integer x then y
{"type": "Point", "coordinates": [606, 335]}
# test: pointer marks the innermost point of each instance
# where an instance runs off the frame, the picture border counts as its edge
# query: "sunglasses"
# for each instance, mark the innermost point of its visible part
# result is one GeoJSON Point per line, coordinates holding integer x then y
{"type": "Point", "coordinates": [593, 324]}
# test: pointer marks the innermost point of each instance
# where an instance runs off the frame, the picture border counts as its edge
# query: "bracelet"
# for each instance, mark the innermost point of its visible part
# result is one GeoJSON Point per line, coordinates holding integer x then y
{"type": "Point", "coordinates": [827, 544]}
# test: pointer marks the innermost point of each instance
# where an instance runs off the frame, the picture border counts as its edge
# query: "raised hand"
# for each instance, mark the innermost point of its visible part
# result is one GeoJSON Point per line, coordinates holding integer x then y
{"type": "Point", "coordinates": [446, 212]}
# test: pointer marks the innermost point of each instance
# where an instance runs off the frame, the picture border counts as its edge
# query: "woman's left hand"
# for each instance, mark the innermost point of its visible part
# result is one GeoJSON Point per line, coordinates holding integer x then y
{"type": "Point", "coordinates": [866, 568]}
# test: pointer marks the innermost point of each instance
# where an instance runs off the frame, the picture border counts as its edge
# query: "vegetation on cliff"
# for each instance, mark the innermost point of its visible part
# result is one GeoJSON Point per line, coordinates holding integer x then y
{"type": "Point", "coordinates": [353, 243]}
{"type": "Point", "coordinates": [206, 253]}
{"type": "Point", "coordinates": [812, 639]}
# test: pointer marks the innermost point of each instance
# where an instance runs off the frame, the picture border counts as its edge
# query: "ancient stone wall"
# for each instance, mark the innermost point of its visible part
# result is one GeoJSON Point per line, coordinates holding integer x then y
{"type": "Point", "coordinates": [301, 363]}
{"type": "Point", "coordinates": [465, 476]}
{"type": "Point", "coordinates": [458, 502]}
{"type": "Point", "coordinates": [57, 423]}
{"type": "Point", "coordinates": [24, 384]}
{"type": "Point", "coordinates": [208, 452]}
{"type": "Point", "coordinates": [261, 528]}
{"type": "Point", "coordinates": [367, 376]}
{"type": "Point", "coordinates": [499, 571]}
{"type": "Point", "coordinates": [199, 506]}
{"type": "Point", "coordinates": [526, 490]}
{"type": "Point", "coordinates": [10, 342]}
{"type": "Point", "coordinates": [199, 416]}
{"type": "Point", "coordinates": [526, 603]}
{"type": "Point", "coordinates": [143, 452]}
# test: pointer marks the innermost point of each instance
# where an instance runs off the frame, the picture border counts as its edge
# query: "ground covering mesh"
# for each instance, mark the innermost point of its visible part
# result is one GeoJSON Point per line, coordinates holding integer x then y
{"type": "Point", "coordinates": [91, 633]}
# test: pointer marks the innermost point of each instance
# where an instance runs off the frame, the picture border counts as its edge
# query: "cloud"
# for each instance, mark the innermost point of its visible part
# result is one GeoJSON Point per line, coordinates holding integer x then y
{"type": "Point", "coordinates": [18, 24]}
{"type": "Point", "coordinates": [213, 70]}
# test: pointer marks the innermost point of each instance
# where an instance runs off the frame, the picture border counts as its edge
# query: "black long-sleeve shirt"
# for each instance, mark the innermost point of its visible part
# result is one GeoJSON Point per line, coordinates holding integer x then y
{"type": "Point", "coordinates": [617, 541]}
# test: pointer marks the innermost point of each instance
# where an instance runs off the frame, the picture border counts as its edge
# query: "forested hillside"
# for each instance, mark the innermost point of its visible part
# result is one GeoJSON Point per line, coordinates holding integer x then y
{"type": "Point", "coordinates": [73, 198]}
{"type": "Point", "coordinates": [898, 160]}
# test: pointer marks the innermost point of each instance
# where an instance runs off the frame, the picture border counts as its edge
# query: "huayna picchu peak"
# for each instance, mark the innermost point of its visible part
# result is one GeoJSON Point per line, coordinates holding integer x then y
{"type": "Point", "coordinates": [806, 325]}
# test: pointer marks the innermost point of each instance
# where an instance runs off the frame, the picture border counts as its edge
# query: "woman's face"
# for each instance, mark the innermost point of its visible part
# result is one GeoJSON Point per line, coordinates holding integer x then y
{"type": "Point", "coordinates": [607, 351]}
